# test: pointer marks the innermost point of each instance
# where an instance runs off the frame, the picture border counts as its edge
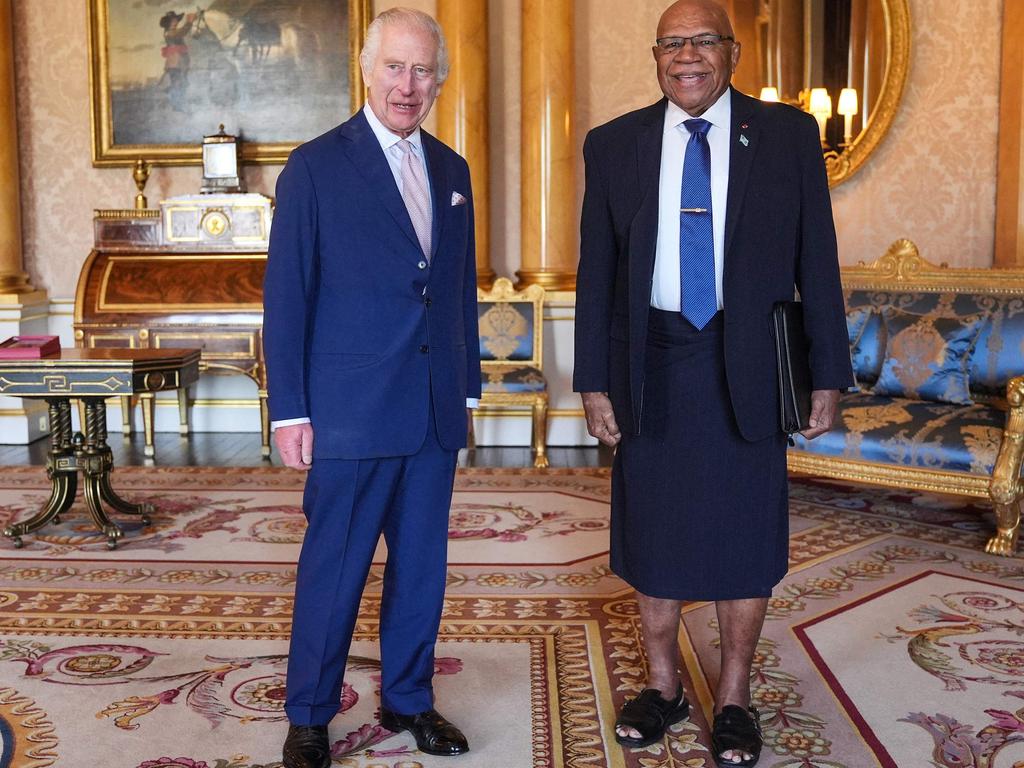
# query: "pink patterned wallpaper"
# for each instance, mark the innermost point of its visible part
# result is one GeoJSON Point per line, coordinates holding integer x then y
{"type": "Point", "coordinates": [932, 179]}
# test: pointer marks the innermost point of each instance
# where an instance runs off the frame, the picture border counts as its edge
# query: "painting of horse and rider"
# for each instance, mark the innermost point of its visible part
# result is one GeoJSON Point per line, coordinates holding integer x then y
{"type": "Point", "coordinates": [275, 72]}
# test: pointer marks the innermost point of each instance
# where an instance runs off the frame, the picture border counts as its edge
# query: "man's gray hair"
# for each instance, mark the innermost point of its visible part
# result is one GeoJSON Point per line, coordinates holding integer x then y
{"type": "Point", "coordinates": [407, 17]}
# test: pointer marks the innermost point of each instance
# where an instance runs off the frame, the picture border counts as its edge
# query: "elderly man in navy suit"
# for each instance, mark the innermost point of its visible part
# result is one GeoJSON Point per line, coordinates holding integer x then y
{"type": "Point", "coordinates": [370, 333]}
{"type": "Point", "coordinates": [701, 212]}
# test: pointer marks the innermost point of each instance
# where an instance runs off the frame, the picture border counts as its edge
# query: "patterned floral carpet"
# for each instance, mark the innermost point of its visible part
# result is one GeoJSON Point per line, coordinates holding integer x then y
{"type": "Point", "coordinates": [894, 641]}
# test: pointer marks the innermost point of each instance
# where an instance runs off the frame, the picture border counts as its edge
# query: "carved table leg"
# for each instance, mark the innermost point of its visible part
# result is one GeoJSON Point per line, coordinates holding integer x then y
{"type": "Point", "coordinates": [183, 410]}
{"type": "Point", "coordinates": [1007, 529]}
{"type": "Point", "coordinates": [264, 425]}
{"type": "Point", "coordinates": [95, 462]}
{"type": "Point", "coordinates": [540, 433]}
{"type": "Point", "coordinates": [97, 467]}
{"type": "Point", "coordinates": [148, 415]}
{"type": "Point", "coordinates": [126, 415]}
{"type": "Point", "coordinates": [62, 470]}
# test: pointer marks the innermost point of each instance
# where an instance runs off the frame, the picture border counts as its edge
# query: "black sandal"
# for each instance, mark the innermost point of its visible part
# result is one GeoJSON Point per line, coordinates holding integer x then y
{"type": "Point", "coordinates": [739, 730]}
{"type": "Point", "coordinates": [650, 715]}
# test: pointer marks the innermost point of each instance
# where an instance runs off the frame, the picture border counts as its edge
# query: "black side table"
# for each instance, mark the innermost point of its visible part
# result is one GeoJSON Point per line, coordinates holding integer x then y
{"type": "Point", "coordinates": [90, 375]}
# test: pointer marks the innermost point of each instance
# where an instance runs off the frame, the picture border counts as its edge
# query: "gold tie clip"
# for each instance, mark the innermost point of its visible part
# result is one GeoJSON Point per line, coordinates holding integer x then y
{"type": "Point", "coordinates": [693, 210]}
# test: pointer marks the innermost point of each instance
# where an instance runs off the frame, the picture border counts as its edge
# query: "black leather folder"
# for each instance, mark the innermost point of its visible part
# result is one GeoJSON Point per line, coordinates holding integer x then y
{"type": "Point", "coordinates": [794, 367]}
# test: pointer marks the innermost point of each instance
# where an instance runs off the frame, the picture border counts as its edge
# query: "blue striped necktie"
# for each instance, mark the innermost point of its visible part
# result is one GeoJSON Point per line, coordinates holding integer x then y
{"type": "Point", "coordinates": [696, 233]}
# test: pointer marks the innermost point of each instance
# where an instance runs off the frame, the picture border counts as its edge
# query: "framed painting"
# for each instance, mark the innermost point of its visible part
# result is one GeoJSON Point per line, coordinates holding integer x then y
{"type": "Point", "coordinates": [273, 72]}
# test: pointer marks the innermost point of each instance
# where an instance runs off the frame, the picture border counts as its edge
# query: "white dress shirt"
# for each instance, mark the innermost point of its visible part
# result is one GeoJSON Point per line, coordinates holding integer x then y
{"type": "Point", "coordinates": [665, 287]}
{"type": "Point", "coordinates": [389, 143]}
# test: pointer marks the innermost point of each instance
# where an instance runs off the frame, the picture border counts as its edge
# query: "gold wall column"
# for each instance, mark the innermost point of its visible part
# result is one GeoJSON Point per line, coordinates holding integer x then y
{"type": "Point", "coordinates": [14, 283]}
{"type": "Point", "coordinates": [548, 188]}
{"type": "Point", "coordinates": [462, 111]}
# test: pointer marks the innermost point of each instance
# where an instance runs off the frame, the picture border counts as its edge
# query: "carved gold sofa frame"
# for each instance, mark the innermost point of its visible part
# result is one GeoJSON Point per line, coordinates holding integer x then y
{"type": "Point", "coordinates": [902, 270]}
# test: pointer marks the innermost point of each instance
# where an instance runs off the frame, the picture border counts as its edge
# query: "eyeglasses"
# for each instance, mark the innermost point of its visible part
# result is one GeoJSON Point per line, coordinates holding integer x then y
{"type": "Point", "coordinates": [667, 45]}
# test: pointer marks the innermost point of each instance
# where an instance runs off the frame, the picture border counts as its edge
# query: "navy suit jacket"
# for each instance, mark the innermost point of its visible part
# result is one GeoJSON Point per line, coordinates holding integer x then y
{"type": "Point", "coordinates": [362, 333]}
{"type": "Point", "coordinates": [779, 234]}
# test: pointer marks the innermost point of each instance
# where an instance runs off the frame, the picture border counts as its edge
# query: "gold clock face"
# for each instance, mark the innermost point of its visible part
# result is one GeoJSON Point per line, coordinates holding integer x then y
{"type": "Point", "coordinates": [215, 223]}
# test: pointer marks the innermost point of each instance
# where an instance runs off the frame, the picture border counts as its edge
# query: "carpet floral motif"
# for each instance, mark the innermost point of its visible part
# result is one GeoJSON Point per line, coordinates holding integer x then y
{"type": "Point", "coordinates": [247, 689]}
{"type": "Point", "coordinates": [169, 635]}
{"type": "Point", "coordinates": [512, 522]}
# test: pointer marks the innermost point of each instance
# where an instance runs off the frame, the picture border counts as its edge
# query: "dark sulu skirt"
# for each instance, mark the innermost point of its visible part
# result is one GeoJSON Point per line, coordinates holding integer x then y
{"type": "Point", "coordinates": [698, 513]}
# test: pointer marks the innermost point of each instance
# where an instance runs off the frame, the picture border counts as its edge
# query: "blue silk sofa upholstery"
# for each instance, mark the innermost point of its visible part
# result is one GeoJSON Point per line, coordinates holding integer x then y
{"type": "Point", "coordinates": [899, 432]}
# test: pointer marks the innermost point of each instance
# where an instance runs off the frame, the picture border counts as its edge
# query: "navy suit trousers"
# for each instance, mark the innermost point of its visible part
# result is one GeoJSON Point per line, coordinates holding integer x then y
{"type": "Point", "coordinates": [348, 504]}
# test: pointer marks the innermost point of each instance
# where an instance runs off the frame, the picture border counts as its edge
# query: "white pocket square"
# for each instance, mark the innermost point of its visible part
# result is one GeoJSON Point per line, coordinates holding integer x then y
{"type": "Point", "coordinates": [458, 199]}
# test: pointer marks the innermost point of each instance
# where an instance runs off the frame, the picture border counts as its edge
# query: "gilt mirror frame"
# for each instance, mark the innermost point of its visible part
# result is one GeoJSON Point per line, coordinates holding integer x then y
{"type": "Point", "coordinates": [841, 166]}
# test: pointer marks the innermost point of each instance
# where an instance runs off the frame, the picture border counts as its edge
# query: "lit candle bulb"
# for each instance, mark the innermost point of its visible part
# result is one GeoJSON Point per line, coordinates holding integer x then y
{"type": "Point", "coordinates": [769, 93]}
{"type": "Point", "coordinates": [848, 107]}
{"type": "Point", "coordinates": [820, 106]}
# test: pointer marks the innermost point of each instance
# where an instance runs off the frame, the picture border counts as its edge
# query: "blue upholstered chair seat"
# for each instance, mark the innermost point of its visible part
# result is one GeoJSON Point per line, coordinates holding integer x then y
{"type": "Point", "coordinates": [913, 433]}
{"type": "Point", "coordinates": [517, 379]}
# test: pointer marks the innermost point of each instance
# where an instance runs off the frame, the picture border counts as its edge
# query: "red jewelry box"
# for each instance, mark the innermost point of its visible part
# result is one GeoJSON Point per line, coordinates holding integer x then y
{"type": "Point", "coordinates": [29, 347]}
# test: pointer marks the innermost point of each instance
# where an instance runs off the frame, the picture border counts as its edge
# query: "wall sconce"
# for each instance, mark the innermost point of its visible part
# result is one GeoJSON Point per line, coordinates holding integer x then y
{"type": "Point", "coordinates": [818, 102]}
{"type": "Point", "coordinates": [820, 105]}
{"type": "Point", "coordinates": [848, 107]}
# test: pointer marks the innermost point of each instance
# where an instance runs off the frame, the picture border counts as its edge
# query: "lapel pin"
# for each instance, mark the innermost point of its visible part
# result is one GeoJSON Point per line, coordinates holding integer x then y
{"type": "Point", "coordinates": [744, 140]}
{"type": "Point", "coordinates": [744, 125]}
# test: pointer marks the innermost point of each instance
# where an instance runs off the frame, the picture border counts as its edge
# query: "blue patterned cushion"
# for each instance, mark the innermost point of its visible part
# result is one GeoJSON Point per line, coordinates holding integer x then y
{"type": "Point", "coordinates": [998, 353]}
{"type": "Point", "coordinates": [856, 321]}
{"type": "Point", "coordinates": [913, 433]}
{"type": "Point", "coordinates": [513, 380]}
{"type": "Point", "coordinates": [927, 356]}
{"type": "Point", "coordinates": [869, 350]}
{"type": "Point", "coordinates": [506, 330]}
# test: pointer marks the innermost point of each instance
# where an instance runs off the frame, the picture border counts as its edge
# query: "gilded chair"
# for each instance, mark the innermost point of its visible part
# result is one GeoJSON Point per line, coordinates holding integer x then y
{"type": "Point", "coordinates": [511, 355]}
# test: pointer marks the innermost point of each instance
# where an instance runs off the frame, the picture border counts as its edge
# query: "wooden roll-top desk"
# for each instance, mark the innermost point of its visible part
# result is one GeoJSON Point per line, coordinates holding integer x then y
{"type": "Point", "coordinates": [137, 290]}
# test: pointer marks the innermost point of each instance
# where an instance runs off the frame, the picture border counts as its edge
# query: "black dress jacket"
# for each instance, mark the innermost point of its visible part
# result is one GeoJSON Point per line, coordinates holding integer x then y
{"type": "Point", "coordinates": [779, 236]}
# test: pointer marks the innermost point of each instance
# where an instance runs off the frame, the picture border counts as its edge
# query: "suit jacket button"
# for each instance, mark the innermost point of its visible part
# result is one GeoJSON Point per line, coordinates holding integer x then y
{"type": "Point", "coordinates": [424, 348]}
{"type": "Point", "coordinates": [427, 301]}
{"type": "Point", "coordinates": [422, 265]}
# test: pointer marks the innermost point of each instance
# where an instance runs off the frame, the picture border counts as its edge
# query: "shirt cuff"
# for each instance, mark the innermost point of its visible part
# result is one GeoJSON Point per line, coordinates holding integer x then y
{"type": "Point", "coordinates": [472, 402]}
{"type": "Point", "coordinates": [288, 422]}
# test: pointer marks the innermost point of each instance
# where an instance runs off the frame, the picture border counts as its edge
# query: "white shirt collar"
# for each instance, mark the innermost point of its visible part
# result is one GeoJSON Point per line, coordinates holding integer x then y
{"type": "Point", "coordinates": [718, 114]}
{"type": "Point", "coordinates": [386, 138]}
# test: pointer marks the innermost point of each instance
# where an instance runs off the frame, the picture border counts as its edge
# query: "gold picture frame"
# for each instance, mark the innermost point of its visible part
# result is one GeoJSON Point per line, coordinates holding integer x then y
{"type": "Point", "coordinates": [209, 58]}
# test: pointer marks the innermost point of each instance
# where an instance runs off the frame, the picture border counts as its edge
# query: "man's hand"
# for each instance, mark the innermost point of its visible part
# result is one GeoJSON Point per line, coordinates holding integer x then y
{"type": "Point", "coordinates": [295, 444]}
{"type": "Point", "coordinates": [601, 418]}
{"type": "Point", "coordinates": [824, 403]}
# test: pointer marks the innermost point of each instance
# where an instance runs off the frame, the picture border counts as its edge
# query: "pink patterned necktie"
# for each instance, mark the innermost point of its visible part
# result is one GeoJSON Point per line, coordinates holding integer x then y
{"type": "Point", "coordinates": [415, 195]}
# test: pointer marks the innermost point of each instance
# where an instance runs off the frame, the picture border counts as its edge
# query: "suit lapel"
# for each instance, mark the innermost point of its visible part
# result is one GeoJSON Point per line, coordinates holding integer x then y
{"type": "Point", "coordinates": [438, 172]}
{"type": "Point", "coordinates": [366, 154]}
{"type": "Point", "coordinates": [643, 234]}
{"type": "Point", "coordinates": [743, 138]}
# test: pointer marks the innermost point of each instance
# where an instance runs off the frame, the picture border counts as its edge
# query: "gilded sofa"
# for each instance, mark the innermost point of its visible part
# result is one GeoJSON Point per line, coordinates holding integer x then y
{"type": "Point", "coordinates": [916, 420]}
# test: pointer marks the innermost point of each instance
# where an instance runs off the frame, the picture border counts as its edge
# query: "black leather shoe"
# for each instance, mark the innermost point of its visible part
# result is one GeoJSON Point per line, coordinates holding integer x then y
{"type": "Point", "coordinates": [434, 735]}
{"type": "Point", "coordinates": [307, 747]}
